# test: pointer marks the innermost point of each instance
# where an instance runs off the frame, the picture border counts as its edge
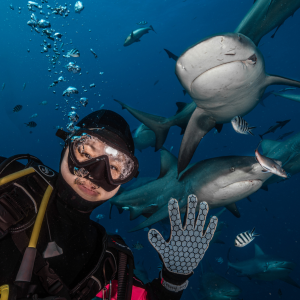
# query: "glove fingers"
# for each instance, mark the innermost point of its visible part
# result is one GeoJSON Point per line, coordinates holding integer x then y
{"type": "Point", "coordinates": [190, 212]}
{"type": "Point", "coordinates": [156, 240]}
{"type": "Point", "coordinates": [211, 228]}
{"type": "Point", "coordinates": [174, 214]}
{"type": "Point", "coordinates": [200, 222]}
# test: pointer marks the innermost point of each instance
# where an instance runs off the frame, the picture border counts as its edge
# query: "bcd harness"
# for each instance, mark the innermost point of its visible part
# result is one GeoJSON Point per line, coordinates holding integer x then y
{"type": "Point", "coordinates": [16, 216]}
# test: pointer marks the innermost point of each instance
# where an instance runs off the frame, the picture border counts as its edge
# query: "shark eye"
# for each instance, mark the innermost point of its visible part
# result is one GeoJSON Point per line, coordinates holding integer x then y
{"type": "Point", "coordinates": [232, 169]}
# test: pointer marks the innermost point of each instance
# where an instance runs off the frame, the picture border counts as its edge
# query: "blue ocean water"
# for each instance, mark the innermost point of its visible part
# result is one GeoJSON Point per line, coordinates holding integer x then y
{"type": "Point", "coordinates": [129, 76]}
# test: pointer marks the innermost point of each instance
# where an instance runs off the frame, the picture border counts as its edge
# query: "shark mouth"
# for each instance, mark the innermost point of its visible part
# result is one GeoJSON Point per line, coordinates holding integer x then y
{"type": "Point", "coordinates": [251, 60]}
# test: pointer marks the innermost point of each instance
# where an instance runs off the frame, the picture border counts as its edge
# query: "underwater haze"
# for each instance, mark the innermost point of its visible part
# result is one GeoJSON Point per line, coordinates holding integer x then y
{"type": "Point", "coordinates": [143, 76]}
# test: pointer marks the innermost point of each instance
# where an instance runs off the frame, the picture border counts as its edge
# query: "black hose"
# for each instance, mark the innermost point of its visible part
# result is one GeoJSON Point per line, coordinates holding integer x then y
{"type": "Point", "coordinates": [130, 279]}
{"type": "Point", "coordinates": [122, 276]}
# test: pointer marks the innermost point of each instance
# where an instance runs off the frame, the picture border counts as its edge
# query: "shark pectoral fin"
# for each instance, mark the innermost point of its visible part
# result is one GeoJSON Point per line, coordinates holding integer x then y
{"type": "Point", "coordinates": [199, 125]}
{"type": "Point", "coordinates": [233, 209]}
{"type": "Point", "coordinates": [159, 125]}
{"type": "Point", "coordinates": [150, 209]}
{"type": "Point", "coordinates": [290, 281]}
{"type": "Point", "coordinates": [167, 162]}
{"type": "Point", "coordinates": [277, 80]}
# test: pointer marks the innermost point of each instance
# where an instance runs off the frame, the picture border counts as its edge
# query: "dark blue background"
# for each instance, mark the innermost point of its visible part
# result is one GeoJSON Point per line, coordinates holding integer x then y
{"type": "Point", "coordinates": [129, 75]}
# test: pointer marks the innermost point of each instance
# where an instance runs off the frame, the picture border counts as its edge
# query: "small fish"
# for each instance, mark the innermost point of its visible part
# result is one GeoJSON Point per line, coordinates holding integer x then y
{"type": "Point", "coordinates": [3, 86]}
{"type": "Point", "coordinates": [43, 102]}
{"type": "Point", "coordinates": [17, 108]}
{"type": "Point", "coordinates": [284, 135]}
{"type": "Point", "coordinates": [156, 82]}
{"type": "Point", "coordinates": [241, 126]}
{"type": "Point", "coordinates": [270, 165]}
{"type": "Point", "coordinates": [24, 86]}
{"type": "Point", "coordinates": [142, 23]}
{"type": "Point", "coordinates": [219, 260]}
{"type": "Point", "coordinates": [31, 124]}
{"type": "Point", "coordinates": [94, 53]}
{"type": "Point", "coordinates": [34, 116]}
{"type": "Point", "coordinates": [245, 238]}
{"type": "Point", "coordinates": [137, 246]}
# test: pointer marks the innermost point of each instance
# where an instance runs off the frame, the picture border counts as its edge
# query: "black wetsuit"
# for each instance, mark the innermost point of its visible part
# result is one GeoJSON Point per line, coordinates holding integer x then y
{"type": "Point", "coordinates": [82, 240]}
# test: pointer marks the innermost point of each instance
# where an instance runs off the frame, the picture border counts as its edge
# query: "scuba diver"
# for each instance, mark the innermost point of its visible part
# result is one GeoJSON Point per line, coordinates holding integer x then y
{"type": "Point", "coordinates": [49, 246]}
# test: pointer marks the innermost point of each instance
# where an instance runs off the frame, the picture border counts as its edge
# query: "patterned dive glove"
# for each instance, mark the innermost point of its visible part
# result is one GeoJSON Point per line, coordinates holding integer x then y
{"type": "Point", "coordinates": [186, 246]}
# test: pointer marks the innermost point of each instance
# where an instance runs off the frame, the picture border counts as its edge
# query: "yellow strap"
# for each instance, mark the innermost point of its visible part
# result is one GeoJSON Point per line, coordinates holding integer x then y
{"type": "Point", "coordinates": [4, 292]}
{"type": "Point", "coordinates": [16, 175]}
{"type": "Point", "coordinates": [39, 219]}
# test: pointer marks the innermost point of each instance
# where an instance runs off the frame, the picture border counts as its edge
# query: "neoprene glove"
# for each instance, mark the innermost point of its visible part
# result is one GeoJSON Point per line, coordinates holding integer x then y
{"type": "Point", "coordinates": [186, 246]}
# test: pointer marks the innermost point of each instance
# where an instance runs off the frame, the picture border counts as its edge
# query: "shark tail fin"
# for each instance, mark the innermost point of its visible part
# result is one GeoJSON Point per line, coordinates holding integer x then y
{"type": "Point", "coordinates": [159, 125]}
{"type": "Point", "coordinates": [152, 28]}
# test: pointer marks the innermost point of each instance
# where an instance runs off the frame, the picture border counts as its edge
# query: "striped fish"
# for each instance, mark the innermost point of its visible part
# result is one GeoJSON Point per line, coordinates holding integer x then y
{"type": "Point", "coordinates": [17, 108]}
{"type": "Point", "coordinates": [245, 238]}
{"type": "Point", "coordinates": [241, 126]}
{"type": "Point", "coordinates": [31, 124]}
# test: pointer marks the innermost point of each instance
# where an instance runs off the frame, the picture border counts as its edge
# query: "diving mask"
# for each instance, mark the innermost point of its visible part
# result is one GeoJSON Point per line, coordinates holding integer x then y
{"type": "Point", "coordinates": [101, 157]}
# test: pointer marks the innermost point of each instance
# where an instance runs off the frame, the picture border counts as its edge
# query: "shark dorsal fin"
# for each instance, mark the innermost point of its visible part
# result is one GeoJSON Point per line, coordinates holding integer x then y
{"type": "Point", "coordinates": [180, 106]}
{"type": "Point", "coordinates": [167, 162]}
{"type": "Point", "coordinates": [268, 145]}
{"type": "Point", "coordinates": [258, 251]}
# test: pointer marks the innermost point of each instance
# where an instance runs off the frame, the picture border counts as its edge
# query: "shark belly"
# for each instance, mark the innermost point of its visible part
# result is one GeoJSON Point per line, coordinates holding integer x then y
{"type": "Point", "coordinates": [231, 193]}
{"type": "Point", "coordinates": [228, 90]}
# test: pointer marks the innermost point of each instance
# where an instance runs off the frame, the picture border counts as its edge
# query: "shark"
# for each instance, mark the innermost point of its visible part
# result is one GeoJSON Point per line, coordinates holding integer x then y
{"type": "Point", "coordinates": [288, 152]}
{"type": "Point", "coordinates": [215, 287]}
{"type": "Point", "coordinates": [264, 16]}
{"type": "Point", "coordinates": [265, 267]}
{"type": "Point", "coordinates": [225, 76]}
{"type": "Point", "coordinates": [135, 35]}
{"type": "Point", "coordinates": [220, 181]}
{"type": "Point", "coordinates": [293, 97]}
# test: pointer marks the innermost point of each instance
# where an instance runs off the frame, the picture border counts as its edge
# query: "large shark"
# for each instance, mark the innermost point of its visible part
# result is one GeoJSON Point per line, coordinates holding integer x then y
{"type": "Point", "coordinates": [293, 97]}
{"type": "Point", "coordinates": [225, 76]}
{"type": "Point", "coordinates": [219, 181]}
{"type": "Point", "coordinates": [265, 267]}
{"type": "Point", "coordinates": [215, 287]}
{"type": "Point", "coordinates": [264, 16]}
{"type": "Point", "coordinates": [288, 152]}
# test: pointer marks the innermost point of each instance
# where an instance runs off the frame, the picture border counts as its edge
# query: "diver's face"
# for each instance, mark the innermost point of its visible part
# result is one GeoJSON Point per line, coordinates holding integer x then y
{"type": "Point", "coordinates": [83, 187]}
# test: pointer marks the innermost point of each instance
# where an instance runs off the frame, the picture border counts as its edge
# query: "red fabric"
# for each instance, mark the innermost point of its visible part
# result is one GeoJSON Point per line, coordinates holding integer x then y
{"type": "Point", "coordinates": [137, 292]}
